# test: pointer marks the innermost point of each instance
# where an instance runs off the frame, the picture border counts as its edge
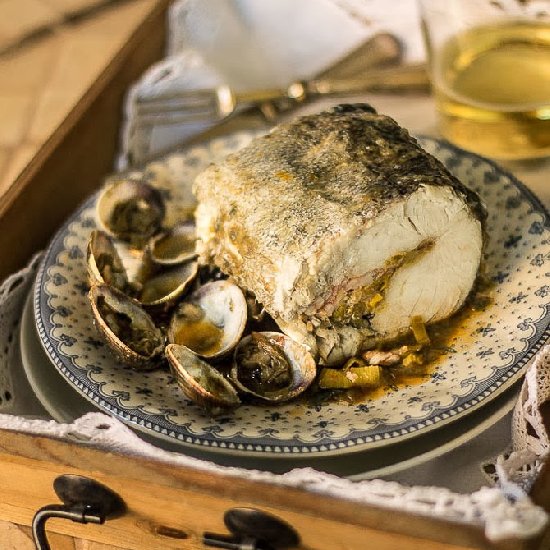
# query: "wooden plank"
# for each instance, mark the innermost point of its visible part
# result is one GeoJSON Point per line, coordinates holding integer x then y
{"type": "Point", "coordinates": [15, 115]}
{"type": "Point", "coordinates": [80, 152]}
{"type": "Point", "coordinates": [162, 498]}
{"type": "Point", "coordinates": [19, 537]}
{"type": "Point", "coordinates": [44, 78]}
{"type": "Point", "coordinates": [19, 18]}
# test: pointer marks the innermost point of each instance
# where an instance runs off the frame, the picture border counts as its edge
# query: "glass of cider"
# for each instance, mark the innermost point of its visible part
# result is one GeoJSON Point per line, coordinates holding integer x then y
{"type": "Point", "coordinates": [489, 63]}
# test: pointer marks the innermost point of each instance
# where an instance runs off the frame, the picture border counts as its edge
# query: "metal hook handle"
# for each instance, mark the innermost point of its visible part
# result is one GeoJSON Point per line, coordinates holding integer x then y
{"type": "Point", "coordinates": [253, 529]}
{"type": "Point", "coordinates": [84, 501]}
{"type": "Point", "coordinates": [85, 515]}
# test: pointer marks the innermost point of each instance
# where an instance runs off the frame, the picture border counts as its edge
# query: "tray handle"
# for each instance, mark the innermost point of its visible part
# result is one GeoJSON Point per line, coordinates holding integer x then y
{"type": "Point", "coordinates": [253, 529]}
{"type": "Point", "coordinates": [84, 501]}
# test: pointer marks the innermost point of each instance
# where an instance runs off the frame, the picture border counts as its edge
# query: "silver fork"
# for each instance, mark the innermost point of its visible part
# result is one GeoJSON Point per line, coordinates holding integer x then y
{"type": "Point", "coordinates": [216, 104]}
{"type": "Point", "coordinates": [210, 106]}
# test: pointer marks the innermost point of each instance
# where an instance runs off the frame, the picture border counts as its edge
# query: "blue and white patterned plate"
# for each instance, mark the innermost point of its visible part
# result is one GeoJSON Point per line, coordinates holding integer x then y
{"type": "Point", "coordinates": [490, 355]}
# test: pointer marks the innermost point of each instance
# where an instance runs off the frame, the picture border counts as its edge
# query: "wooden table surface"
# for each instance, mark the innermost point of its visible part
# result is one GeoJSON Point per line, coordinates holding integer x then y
{"type": "Point", "coordinates": [43, 78]}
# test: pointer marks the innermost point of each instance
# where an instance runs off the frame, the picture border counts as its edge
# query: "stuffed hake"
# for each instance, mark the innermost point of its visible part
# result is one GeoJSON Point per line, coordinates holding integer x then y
{"type": "Point", "coordinates": [344, 228]}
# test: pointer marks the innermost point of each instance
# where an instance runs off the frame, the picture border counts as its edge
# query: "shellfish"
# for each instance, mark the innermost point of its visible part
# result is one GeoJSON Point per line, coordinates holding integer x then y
{"type": "Point", "coordinates": [173, 246]}
{"type": "Point", "coordinates": [169, 285]}
{"type": "Point", "coordinates": [103, 262]}
{"type": "Point", "coordinates": [126, 327]}
{"type": "Point", "coordinates": [272, 366]}
{"type": "Point", "coordinates": [210, 321]}
{"type": "Point", "coordinates": [199, 381]}
{"type": "Point", "coordinates": [130, 210]}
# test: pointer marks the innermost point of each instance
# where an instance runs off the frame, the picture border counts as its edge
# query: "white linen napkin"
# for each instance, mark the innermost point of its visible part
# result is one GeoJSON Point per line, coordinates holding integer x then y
{"type": "Point", "coordinates": [249, 45]}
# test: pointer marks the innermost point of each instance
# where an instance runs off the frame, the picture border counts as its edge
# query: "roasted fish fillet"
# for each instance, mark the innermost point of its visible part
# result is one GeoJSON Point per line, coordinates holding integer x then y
{"type": "Point", "coordinates": [343, 227]}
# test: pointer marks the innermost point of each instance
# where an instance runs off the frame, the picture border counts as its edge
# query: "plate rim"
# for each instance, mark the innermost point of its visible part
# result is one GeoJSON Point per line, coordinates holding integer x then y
{"type": "Point", "coordinates": [447, 447]}
{"type": "Point", "coordinates": [497, 411]}
{"type": "Point", "coordinates": [250, 446]}
{"type": "Point", "coordinates": [27, 332]}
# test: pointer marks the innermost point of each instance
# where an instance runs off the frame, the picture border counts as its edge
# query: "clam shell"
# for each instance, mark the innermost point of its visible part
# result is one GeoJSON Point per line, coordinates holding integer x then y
{"type": "Point", "coordinates": [140, 321]}
{"type": "Point", "coordinates": [101, 244]}
{"type": "Point", "coordinates": [199, 381]}
{"type": "Point", "coordinates": [211, 320]}
{"type": "Point", "coordinates": [302, 367]}
{"type": "Point", "coordinates": [174, 246]}
{"type": "Point", "coordinates": [130, 210]}
{"type": "Point", "coordinates": [166, 287]}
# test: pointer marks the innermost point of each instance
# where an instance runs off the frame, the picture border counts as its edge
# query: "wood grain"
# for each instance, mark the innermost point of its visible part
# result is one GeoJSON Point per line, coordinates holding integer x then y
{"type": "Point", "coordinates": [21, 20]}
{"type": "Point", "coordinates": [43, 79]}
{"type": "Point", "coordinates": [19, 537]}
{"type": "Point", "coordinates": [160, 496]}
{"type": "Point", "coordinates": [74, 159]}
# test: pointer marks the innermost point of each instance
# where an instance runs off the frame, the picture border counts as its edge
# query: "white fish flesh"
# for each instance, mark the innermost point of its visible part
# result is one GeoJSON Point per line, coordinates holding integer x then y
{"type": "Point", "coordinates": [343, 227]}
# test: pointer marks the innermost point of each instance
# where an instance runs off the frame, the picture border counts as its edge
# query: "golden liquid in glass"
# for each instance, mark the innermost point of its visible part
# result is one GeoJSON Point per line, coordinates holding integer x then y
{"type": "Point", "coordinates": [492, 87]}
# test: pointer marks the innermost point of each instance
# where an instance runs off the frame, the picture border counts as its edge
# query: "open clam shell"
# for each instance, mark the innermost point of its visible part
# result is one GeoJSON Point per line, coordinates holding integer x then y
{"type": "Point", "coordinates": [211, 320]}
{"type": "Point", "coordinates": [103, 262]}
{"type": "Point", "coordinates": [199, 381]}
{"type": "Point", "coordinates": [130, 210]}
{"type": "Point", "coordinates": [166, 287]}
{"type": "Point", "coordinates": [126, 327]}
{"type": "Point", "coordinates": [174, 246]}
{"type": "Point", "coordinates": [272, 366]}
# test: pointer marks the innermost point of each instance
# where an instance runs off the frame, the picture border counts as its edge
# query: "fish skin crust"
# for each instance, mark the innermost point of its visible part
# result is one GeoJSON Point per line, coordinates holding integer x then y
{"type": "Point", "coordinates": [276, 214]}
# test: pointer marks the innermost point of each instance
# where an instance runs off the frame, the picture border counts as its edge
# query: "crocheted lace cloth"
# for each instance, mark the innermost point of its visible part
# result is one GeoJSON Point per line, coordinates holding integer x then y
{"type": "Point", "coordinates": [503, 510]}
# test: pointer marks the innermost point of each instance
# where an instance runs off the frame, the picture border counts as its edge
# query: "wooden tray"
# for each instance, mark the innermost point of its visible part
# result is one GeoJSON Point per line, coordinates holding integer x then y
{"type": "Point", "coordinates": [167, 507]}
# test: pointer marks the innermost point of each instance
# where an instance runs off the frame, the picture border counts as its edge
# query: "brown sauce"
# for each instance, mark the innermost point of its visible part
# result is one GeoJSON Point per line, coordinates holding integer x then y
{"type": "Point", "coordinates": [200, 336]}
{"type": "Point", "coordinates": [443, 336]}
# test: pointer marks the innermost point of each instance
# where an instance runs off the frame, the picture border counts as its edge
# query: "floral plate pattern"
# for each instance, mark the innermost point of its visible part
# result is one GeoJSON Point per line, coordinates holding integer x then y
{"type": "Point", "coordinates": [490, 355]}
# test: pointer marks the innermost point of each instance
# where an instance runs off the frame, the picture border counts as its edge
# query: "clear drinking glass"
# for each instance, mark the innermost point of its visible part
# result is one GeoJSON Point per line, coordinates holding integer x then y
{"type": "Point", "coordinates": [489, 63]}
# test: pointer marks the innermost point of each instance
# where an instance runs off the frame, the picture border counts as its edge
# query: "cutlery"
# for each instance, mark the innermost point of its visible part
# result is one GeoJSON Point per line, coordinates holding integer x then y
{"type": "Point", "coordinates": [381, 50]}
{"type": "Point", "coordinates": [213, 105]}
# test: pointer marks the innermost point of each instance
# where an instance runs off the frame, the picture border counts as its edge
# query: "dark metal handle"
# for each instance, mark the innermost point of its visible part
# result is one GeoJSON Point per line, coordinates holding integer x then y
{"type": "Point", "coordinates": [231, 542]}
{"type": "Point", "coordinates": [253, 529]}
{"type": "Point", "coordinates": [84, 501]}
{"type": "Point", "coordinates": [84, 515]}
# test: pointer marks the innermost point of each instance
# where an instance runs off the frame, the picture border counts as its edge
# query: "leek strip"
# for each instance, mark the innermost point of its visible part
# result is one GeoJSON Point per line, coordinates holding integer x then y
{"type": "Point", "coordinates": [419, 331]}
{"type": "Point", "coordinates": [358, 377]}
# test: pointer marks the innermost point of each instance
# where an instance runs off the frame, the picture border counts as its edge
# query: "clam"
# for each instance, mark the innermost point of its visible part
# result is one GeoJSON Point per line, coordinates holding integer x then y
{"type": "Point", "coordinates": [164, 288]}
{"type": "Point", "coordinates": [103, 262]}
{"type": "Point", "coordinates": [210, 321]}
{"type": "Point", "coordinates": [199, 381]}
{"type": "Point", "coordinates": [130, 210]}
{"type": "Point", "coordinates": [126, 327]}
{"type": "Point", "coordinates": [272, 366]}
{"type": "Point", "coordinates": [174, 246]}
